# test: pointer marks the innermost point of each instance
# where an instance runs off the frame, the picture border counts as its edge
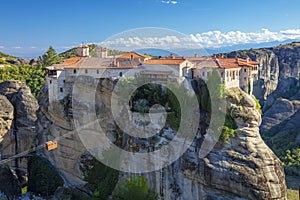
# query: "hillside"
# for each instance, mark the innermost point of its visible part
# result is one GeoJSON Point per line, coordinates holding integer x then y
{"type": "Point", "coordinates": [8, 60]}
{"type": "Point", "coordinates": [93, 48]}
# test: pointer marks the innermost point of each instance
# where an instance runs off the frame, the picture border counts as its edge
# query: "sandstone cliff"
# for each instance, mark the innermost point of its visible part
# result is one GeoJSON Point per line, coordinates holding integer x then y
{"type": "Point", "coordinates": [277, 89]}
{"type": "Point", "coordinates": [243, 168]}
{"type": "Point", "coordinates": [18, 117]}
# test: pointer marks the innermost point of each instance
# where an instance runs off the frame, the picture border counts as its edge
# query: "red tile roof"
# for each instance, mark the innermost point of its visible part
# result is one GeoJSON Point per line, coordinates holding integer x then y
{"type": "Point", "coordinates": [227, 63]}
{"type": "Point", "coordinates": [132, 55]}
{"type": "Point", "coordinates": [164, 62]}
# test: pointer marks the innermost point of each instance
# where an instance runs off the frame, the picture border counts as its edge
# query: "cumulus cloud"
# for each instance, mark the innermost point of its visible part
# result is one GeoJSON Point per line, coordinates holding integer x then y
{"type": "Point", "coordinates": [215, 39]}
{"type": "Point", "coordinates": [170, 2]}
{"type": "Point", "coordinates": [210, 39]}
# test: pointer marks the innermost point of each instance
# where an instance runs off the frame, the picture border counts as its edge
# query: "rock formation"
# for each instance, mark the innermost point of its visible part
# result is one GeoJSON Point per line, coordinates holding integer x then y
{"type": "Point", "coordinates": [9, 184]}
{"type": "Point", "coordinates": [243, 168]}
{"type": "Point", "coordinates": [18, 119]}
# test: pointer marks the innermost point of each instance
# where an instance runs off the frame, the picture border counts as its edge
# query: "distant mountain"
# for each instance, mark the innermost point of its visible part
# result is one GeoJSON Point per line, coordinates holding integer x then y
{"type": "Point", "coordinates": [210, 51]}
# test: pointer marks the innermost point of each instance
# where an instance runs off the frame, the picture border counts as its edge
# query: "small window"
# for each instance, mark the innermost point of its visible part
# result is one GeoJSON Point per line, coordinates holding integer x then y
{"type": "Point", "coordinates": [86, 71]}
{"type": "Point", "coordinates": [245, 70]}
{"type": "Point", "coordinates": [50, 81]}
{"type": "Point", "coordinates": [64, 81]}
{"type": "Point", "coordinates": [74, 71]}
{"type": "Point", "coordinates": [203, 74]}
{"type": "Point", "coordinates": [97, 71]}
{"type": "Point", "coordinates": [61, 89]}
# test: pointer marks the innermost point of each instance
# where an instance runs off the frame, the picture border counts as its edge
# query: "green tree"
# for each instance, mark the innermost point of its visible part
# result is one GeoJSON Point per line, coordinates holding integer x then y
{"type": "Point", "coordinates": [136, 189]}
{"type": "Point", "coordinates": [50, 57]}
{"type": "Point", "coordinates": [33, 76]}
{"type": "Point", "coordinates": [42, 179]}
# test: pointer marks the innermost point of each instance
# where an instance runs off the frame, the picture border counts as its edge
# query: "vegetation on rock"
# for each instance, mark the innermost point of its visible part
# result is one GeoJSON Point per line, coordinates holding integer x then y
{"type": "Point", "coordinates": [33, 76]}
{"type": "Point", "coordinates": [103, 180]}
{"type": "Point", "coordinates": [136, 189]}
{"type": "Point", "coordinates": [42, 179]}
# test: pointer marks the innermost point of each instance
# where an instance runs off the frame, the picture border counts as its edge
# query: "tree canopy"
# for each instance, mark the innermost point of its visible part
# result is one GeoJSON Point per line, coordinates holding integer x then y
{"type": "Point", "coordinates": [50, 57]}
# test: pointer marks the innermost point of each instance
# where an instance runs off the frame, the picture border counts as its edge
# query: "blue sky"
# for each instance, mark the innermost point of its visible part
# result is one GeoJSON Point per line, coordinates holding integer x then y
{"type": "Point", "coordinates": [28, 27]}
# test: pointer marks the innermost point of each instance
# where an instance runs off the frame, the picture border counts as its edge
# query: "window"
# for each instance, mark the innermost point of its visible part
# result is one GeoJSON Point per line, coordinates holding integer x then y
{"type": "Point", "coordinates": [245, 70]}
{"type": "Point", "coordinates": [86, 71]}
{"type": "Point", "coordinates": [64, 81]}
{"type": "Point", "coordinates": [74, 71]}
{"type": "Point", "coordinates": [97, 71]}
{"type": "Point", "coordinates": [61, 89]}
{"type": "Point", "coordinates": [203, 74]}
{"type": "Point", "coordinates": [50, 81]}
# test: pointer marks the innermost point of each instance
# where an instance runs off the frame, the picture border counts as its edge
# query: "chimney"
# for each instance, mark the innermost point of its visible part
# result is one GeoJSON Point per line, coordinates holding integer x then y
{"type": "Point", "coordinates": [172, 56]}
{"type": "Point", "coordinates": [83, 51]}
{"type": "Point", "coordinates": [214, 56]}
{"type": "Point", "coordinates": [221, 56]}
{"type": "Point", "coordinates": [196, 55]}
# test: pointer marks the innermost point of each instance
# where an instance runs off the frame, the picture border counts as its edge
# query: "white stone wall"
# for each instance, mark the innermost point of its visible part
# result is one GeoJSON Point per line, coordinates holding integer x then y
{"type": "Point", "coordinates": [232, 78]}
{"type": "Point", "coordinates": [203, 73]}
{"type": "Point", "coordinates": [61, 85]}
{"type": "Point", "coordinates": [164, 68]}
{"type": "Point", "coordinates": [245, 78]}
{"type": "Point", "coordinates": [55, 83]}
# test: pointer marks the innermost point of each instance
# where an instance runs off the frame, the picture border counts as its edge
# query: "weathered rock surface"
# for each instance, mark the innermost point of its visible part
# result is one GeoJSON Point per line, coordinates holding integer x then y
{"type": "Point", "coordinates": [6, 116]}
{"type": "Point", "coordinates": [278, 87]}
{"type": "Point", "coordinates": [9, 184]}
{"type": "Point", "coordinates": [21, 107]}
{"type": "Point", "coordinates": [245, 168]}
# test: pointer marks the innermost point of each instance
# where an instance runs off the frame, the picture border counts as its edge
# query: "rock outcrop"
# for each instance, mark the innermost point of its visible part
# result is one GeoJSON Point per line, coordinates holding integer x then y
{"type": "Point", "coordinates": [278, 90]}
{"type": "Point", "coordinates": [6, 117]}
{"type": "Point", "coordinates": [9, 184]}
{"type": "Point", "coordinates": [20, 108]}
{"type": "Point", "coordinates": [243, 168]}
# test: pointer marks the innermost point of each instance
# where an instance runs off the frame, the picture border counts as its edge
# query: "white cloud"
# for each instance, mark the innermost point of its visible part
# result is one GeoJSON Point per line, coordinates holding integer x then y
{"type": "Point", "coordinates": [2, 47]}
{"type": "Point", "coordinates": [214, 39]}
{"type": "Point", "coordinates": [210, 39]}
{"type": "Point", "coordinates": [170, 2]}
{"type": "Point", "coordinates": [17, 47]}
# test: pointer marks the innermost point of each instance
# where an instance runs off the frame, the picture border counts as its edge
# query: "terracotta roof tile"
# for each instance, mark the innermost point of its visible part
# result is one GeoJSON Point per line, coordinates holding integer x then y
{"type": "Point", "coordinates": [132, 55]}
{"type": "Point", "coordinates": [164, 62]}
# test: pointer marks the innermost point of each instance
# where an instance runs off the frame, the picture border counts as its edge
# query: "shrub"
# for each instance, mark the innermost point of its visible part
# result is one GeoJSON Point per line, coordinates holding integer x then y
{"type": "Point", "coordinates": [103, 179]}
{"type": "Point", "coordinates": [33, 76]}
{"type": "Point", "coordinates": [136, 189]}
{"type": "Point", "coordinates": [228, 130]}
{"type": "Point", "coordinates": [42, 179]}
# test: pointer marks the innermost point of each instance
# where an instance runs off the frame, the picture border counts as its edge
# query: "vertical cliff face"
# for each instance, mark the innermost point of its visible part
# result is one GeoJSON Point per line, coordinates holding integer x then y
{"type": "Point", "coordinates": [244, 168]}
{"type": "Point", "coordinates": [278, 71]}
{"type": "Point", "coordinates": [18, 118]}
{"type": "Point", "coordinates": [278, 91]}
{"type": "Point", "coordinates": [278, 86]}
